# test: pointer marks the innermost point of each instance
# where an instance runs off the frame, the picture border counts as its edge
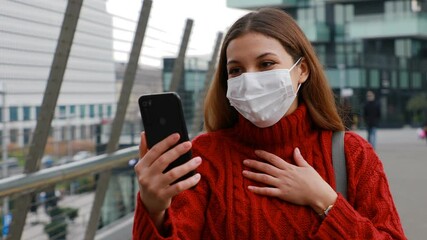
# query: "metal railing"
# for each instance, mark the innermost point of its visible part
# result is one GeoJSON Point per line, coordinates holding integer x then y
{"type": "Point", "coordinates": [16, 186]}
{"type": "Point", "coordinates": [21, 183]}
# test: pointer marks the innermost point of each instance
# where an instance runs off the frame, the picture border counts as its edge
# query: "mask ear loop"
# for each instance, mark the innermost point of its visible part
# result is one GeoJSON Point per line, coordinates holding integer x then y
{"type": "Point", "coordinates": [299, 85]}
{"type": "Point", "coordinates": [296, 92]}
{"type": "Point", "coordinates": [296, 63]}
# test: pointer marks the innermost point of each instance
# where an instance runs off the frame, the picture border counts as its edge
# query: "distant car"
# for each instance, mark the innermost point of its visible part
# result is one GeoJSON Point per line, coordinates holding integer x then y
{"type": "Point", "coordinates": [47, 161]}
{"type": "Point", "coordinates": [82, 155]}
{"type": "Point", "coordinates": [65, 160]}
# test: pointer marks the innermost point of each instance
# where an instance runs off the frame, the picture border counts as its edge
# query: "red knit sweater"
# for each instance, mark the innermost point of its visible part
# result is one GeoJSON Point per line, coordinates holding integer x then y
{"type": "Point", "coordinates": [221, 207]}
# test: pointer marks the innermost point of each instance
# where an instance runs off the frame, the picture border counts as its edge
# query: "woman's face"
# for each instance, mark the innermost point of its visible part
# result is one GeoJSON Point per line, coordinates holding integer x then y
{"type": "Point", "coordinates": [255, 52]}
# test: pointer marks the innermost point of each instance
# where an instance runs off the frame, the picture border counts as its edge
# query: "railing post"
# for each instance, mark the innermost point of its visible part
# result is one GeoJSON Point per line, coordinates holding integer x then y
{"type": "Point", "coordinates": [5, 144]}
{"type": "Point", "coordinates": [178, 65]}
{"type": "Point", "coordinates": [198, 113]}
{"type": "Point", "coordinates": [128, 80]}
{"type": "Point", "coordinates": [47, 110]}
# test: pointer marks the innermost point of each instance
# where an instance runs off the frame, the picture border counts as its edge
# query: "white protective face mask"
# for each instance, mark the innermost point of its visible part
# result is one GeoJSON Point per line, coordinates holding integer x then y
{"type": "Point", "coordinates": [262, 97]}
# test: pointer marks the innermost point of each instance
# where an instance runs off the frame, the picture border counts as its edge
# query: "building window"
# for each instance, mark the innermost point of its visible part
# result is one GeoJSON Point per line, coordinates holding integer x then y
{"type": "Point", "coordinates": [92, 132]}
{"type": "Point", "coordinates": [63, 133]}
{"type": "Point", "coordinates": [91, 111]}
{"type": "Point", "coordinates": [321, 53]}
{"type": "Point", "coordinates": [27, 113]}
{"type": "Point", "coordinates": [349, 12]}
{"type": "Point", "coordinates": [339, 14]}
{"type": "Point", "coordinates": [320, 14]}
{"type": "Point", "coordinates": [340, 55]}
{"type": "Point", "coordinates": [27, 136]}
{"type": "Point", "coordinates": [73, 110]}
{"type": "Point", "coordinates": [404, 83]}
{"type": "Point", "coordinates": [167, 80]}
{"type": "Point", "coordinates": [363, 78]}
{"type": "Point", "coordinates": [100, 110]}
{"type": "Point", "coordinates": [416, 81]}
{"type": "Point", "coordinates": [13, 135]}
{"type": "Point", "coordinates": [402, 48]}
{"type": "Point", "coordinates": [83, 132]}
{"type": "Point", "coordinates": [354, 78]}
{"type": "Point", "coordinates": [366, 8]}
{"type": "Point", "coordinates": [397, 6]}
{"type": "Point", "coordinates": [73, 132]}
{"type": "Point", "coordinates": [333, 77]}
{"type": "Point", "coordinates": [394, 79]}
{"type": "Point", "coordinates": [13, 114]}
{"type": "Point", "coordinates": [374, 78]}
{"type": "Point", "coordinates": [109, 111]}
{"type": "Point", "coordinates": [37, 112]}
{"type": "Point", "coordinates": [62, 112]}
{"type": "Point", "coordinates": [82, 111]}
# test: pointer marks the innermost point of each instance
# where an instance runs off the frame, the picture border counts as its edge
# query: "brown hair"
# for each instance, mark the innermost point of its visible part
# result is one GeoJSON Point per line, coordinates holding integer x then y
{"type": "Point", "coordinates": [315, 92]}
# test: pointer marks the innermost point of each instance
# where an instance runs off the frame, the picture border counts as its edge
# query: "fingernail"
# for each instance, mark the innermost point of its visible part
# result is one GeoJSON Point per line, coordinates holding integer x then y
{"type": "Point", "coordinates": [197, 176]}
{"type": "Point", "coordinates": [297, 151]}
{"type": "Point", "coordinates": [197, 160]}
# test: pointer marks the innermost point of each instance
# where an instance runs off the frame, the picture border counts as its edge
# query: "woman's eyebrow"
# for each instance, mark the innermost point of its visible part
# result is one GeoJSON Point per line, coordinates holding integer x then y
{"type": "Point", "coordinates": [260, 56]}
{"type": "Point", "coordinates": [266, 54]}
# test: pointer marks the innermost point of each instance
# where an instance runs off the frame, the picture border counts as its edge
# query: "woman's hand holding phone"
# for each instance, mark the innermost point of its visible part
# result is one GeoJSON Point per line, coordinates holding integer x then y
{"type": "Point", "coordinates": [156, 188]}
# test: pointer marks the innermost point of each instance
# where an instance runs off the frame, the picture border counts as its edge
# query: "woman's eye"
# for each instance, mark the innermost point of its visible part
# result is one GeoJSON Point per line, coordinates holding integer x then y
{"type": "Point", "coordinates": [267, 64]}
{"type": "Point", "coordinates": [233, 72]}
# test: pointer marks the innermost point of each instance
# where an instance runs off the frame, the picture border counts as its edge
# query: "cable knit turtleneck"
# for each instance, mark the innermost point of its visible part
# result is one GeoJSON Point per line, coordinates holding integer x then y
{"type": "Point", "coordinates": [288, 129]}
{"type": "Point", "coordinates": [294, 130]}
{"type": "Point", "coordinates": [221, 207]}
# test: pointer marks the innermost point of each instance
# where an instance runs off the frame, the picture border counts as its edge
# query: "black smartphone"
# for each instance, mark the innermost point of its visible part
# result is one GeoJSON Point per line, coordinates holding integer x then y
{"type": "Point", "coordinates": [162, 115]}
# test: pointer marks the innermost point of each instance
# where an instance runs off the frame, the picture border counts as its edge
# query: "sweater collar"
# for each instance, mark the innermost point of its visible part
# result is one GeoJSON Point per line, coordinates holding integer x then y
{"type": "Point", "coordinates": [293, 127]}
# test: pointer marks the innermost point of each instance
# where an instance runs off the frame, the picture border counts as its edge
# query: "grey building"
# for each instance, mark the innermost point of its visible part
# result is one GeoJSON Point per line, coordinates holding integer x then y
{"type": "Point", "coordinates": [378, 45]}
{"type": "Point", "coordinates": [29, 32]}
{"type": "Point", "coordinates": [147, 80]}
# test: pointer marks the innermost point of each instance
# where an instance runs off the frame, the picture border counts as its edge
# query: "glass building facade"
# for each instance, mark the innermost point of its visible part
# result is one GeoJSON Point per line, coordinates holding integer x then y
{"type": "Point", "coordinates": [191, 85]}
{"type": "Point", "coordinates": [367, 45]}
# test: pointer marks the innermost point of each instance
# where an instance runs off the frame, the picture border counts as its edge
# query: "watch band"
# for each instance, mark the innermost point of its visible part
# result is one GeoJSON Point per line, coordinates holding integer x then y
{"type": "Point", "coordinates": [326, 211]}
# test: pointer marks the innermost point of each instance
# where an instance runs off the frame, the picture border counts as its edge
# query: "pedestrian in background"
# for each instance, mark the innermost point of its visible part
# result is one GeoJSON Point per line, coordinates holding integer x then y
{"type": "Point", "coordinates": [265, 163]}
{"type": "Point", "coordinates": [371, 116]}
{"type": "Point", "coordinates": [425, 130]}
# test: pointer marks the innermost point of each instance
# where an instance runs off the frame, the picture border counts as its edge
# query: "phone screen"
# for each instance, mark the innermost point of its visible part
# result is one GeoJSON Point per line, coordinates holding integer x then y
{"type": "Point", "coordinates": [162, 115]}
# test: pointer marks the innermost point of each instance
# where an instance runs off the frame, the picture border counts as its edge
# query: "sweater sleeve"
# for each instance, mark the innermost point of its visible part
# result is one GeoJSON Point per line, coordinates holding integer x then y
{"type": "Point", "coordinates": [143, 226]}
{"type": "Point", "coordinates": [184, 219]}
{"type": "Point", "coordinates": [369, 212]}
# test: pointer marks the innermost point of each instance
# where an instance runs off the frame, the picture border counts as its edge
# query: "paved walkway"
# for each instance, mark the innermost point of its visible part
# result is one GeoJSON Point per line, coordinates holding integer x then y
{"type": "Point", "coordinates": [405, 161]}
{"type": "Point", "coordinates": [33, 229]}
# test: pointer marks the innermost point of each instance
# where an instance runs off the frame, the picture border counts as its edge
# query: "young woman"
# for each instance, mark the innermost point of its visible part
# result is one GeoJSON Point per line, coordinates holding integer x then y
{"type": "Point", "coordinates": [264, 165]}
